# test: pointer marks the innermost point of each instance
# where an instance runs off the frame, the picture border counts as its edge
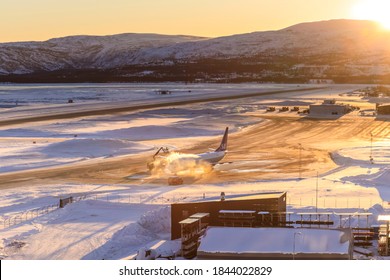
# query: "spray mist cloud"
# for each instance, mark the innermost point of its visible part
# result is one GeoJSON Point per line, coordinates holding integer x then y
{"type": "Point", "coordinates": [184, 165]}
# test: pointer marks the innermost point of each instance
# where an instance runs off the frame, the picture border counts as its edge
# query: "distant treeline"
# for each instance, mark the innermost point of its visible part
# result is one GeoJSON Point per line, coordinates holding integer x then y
{"type": "Point", "coordinates": [277, 70]}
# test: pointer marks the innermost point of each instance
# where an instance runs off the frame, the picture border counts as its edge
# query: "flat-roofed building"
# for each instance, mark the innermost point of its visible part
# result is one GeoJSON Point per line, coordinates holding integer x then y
{"type": "Point", "coordinates": [329, 108]}
{"type": "Point", "coordinates": [232, 210]}
{"type": "Point", "coordinates": [383, 109]}
{"type": "Point", "coordinates": [276, 243]}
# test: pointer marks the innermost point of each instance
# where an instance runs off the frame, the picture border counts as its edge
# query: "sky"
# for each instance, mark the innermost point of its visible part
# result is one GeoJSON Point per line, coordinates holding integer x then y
{"type": "Point", "coordinates": [38, 20]}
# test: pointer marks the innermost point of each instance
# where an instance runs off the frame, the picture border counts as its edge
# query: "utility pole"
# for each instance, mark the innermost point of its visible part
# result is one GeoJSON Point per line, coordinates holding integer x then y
{"type": "Point", "coordinates": [371, 159]}
{"type": "Point", "coordinates": [300, 161]}
{"type": "Point", "coordinates": [317, 194]}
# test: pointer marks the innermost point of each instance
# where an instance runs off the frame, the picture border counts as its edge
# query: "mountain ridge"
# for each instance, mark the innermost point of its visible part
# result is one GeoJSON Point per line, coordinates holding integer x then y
{"type": "Point", "coordinates": [317, 50]}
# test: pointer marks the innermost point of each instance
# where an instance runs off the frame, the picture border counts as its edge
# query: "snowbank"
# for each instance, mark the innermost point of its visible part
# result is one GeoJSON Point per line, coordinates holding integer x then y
{"type": "Point", "coordinates": [157, 221]}
{"type": "Point", "coordinates": [361, 155]}
{"type": "Point", "coordinates": [87, 230]}
{"type": "Point", "coordinates": [150, 132]}
{"type": "Point", "coordinates": [29, 155]}
{"type": "Point", "coordinates": [365, 166]}
{"type": "Point", "coordinates": [92, 148]}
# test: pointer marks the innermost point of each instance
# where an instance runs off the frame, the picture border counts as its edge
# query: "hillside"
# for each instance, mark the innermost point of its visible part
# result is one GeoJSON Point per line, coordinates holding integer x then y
{"type": "Point", "coordinates": [341, 50]}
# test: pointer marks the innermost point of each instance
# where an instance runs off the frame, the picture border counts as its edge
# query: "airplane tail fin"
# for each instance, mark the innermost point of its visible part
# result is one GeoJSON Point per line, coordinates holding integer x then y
{"type": "Point", "coordinates": [223, 146]}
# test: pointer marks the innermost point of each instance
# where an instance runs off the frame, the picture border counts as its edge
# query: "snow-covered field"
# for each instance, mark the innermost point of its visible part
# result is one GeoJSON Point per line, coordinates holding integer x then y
{"type": "Point", "coordinates": [30, 94]}
{"type": "Point", "coordinates": [121, 208]}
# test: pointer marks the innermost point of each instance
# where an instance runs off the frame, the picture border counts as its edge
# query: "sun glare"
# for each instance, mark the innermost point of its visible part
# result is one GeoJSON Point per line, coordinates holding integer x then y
{"type": "Point", "coordinates": [377, 10]}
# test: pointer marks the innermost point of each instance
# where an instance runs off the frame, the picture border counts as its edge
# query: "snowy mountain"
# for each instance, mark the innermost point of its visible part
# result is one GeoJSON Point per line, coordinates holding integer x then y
{"type": "Point", "coordinates": [340, 36]}
{"type": "Point", "coordinates": [311, 50]}
{"type": "Point", "coordinates": [81, 52]}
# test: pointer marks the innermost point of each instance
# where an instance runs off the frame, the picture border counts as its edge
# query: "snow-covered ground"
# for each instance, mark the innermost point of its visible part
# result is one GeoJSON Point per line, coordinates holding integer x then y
{"type": "Point", "coordinates": [30, 94]}
{"type": "Point", "coordinates": [113, 219]}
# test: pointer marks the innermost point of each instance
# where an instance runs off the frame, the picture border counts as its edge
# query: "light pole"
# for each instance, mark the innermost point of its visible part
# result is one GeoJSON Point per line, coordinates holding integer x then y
{"type": "Point", "coordinates": [300, 161]}
{"type": "Point", "coordinates": [371, 159]}
{"type": "Point", "coordinates": [295, 234]}
{"type": "Point", "coordinates": [317, 194]}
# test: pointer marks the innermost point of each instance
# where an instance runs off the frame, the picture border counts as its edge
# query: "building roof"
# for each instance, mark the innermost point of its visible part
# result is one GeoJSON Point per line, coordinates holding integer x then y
{"type": "Point", "coordinates": [384, 218]}
{"type": "Point", "coordinates": [256, 196]}
{"type": "Point", "coordinates": [275, 240]}
{"type": "Point", "coordinates": [271, 195]}
{"type": "Point", "coordinates": [237, 211]}
{"type": "Point", "coordinates": [189, 221]}
{"type": "Point", "coordinates": [353, 214]}
{"type": "Point", "coordinates": [314, 213]}
{"type": "Point", "coordinates": [199, 215]}
{"type": "Point", "coordinates": [326, 105]}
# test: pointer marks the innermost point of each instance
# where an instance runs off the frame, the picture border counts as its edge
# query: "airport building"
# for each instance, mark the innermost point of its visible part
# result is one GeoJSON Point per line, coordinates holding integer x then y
{"type": "Point", "coordinates": [257, 226]}
{"type": "Point", "coordinates": [190, 221]}
{"type": "Point", "coordinates": [383, 109]}
{"type": "Point", "coordinates": [261, 209]}
{"type": "Point", "coordinates": [329, 108]}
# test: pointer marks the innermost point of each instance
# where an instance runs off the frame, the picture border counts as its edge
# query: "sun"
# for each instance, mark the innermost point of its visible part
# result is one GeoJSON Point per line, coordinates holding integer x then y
{"type": "Point", "coordinates": [377, 10]}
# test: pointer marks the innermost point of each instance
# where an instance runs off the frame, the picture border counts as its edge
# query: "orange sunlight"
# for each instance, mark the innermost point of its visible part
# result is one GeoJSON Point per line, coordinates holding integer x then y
{"type": "Point", "coordinates": [377, 10]}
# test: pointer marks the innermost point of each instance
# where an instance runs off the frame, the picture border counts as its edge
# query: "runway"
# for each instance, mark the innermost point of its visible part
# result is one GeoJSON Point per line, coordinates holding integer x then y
{"type": "Point", "coordinates": [68, 111]}
{"type": "Point", "coordinates": [290, 146]}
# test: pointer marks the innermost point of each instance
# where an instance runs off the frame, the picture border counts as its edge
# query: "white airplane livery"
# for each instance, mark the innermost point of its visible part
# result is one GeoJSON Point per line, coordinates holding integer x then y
{"type": "Point", "coordinates": [217, 155]}
{"type": "Point", "coordinates": [212, 157]}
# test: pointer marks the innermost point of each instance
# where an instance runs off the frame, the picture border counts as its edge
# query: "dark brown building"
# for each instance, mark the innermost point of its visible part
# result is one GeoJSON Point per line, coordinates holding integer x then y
{"type": "Point", "coordinates": [239, 210]}
{"type": "Point", "coordinates": [383, 109]}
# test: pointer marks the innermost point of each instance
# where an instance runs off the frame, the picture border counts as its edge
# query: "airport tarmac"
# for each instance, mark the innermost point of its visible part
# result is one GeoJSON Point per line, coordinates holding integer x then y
{"type": "Point", "coordinates": [276, 145]}
{"type": "Point", "coordinates": [103, 159]}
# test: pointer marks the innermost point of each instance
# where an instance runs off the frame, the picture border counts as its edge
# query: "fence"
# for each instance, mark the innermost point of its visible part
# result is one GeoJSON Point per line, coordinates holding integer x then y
{"type": "Point", "coordinates": [65, 201]}
{"type": "Point", "coordinates": [28, 215]}
{"type": "Point", "coordinates": [296, 202]}
{"type": "Point", "coordinates": [336, 203]}
{"type": "Point", "coordinates": [34, 213]}
{"type": "Point", "coordinates": [149, 198]}
{"type": "Point", "coordinates": [321, 202]}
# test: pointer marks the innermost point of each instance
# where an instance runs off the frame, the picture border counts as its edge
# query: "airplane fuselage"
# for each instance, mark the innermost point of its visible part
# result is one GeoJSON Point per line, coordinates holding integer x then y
{"type": "Point", "coordinates": [184, 160]}
{"type": "Point", "coordinates": [212, 157]}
